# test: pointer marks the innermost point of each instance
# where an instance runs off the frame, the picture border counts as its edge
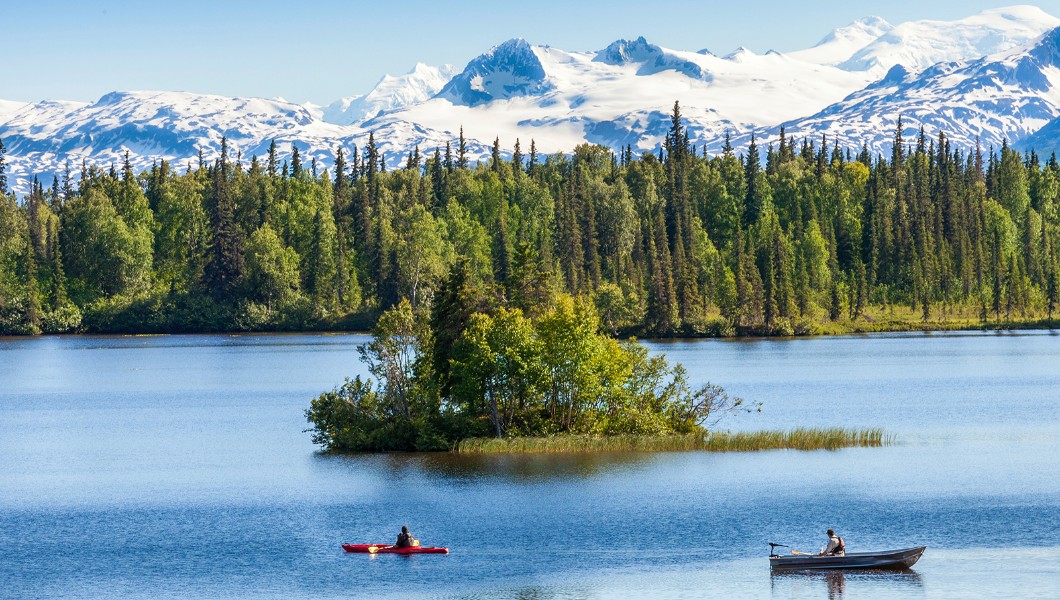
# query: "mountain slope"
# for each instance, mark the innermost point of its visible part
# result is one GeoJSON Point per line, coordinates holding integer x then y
{"type": "Point", "coordinates": [623, 94]}
{"type": "Point", "coordinates": [839, 45]}
{"type": "Point", "coordinates": [419, 84]}
{"type": "Point", "coordinates": [1009, 95]}
{"type": "Point", "coordinates": [175, 125]}
{"type": "Point", "coordinates": [917, 45]}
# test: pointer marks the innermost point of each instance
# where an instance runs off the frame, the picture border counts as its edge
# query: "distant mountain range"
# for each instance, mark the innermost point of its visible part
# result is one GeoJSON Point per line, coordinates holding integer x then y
{"type": "Point", "coordinates": [985, 78]}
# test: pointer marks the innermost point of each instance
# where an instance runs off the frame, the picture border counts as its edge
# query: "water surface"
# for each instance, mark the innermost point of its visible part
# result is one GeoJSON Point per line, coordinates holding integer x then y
{"type": "Point", "coordinates": [177, 466]}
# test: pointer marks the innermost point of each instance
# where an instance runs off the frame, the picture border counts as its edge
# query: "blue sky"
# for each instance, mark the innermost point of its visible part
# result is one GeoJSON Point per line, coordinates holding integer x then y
{"type": "Point", "coordinates": [325, 49]}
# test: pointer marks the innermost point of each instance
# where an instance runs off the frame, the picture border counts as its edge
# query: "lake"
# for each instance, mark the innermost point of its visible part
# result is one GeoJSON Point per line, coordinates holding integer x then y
{"type": "Point", "coordinates": [178, 467]}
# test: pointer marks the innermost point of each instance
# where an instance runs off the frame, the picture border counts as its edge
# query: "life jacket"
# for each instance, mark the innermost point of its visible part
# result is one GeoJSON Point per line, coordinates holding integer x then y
{"type": "Point", "coordinates": [404, 540]}
{"type": "Point", "coordinates": [840, 547]}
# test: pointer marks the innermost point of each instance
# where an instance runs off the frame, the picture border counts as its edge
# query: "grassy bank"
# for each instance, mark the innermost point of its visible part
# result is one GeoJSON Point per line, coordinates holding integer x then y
{"type": "Point", "coordinates": [723, 441]}
{"type": "Point", "coordinates": [877, 319]}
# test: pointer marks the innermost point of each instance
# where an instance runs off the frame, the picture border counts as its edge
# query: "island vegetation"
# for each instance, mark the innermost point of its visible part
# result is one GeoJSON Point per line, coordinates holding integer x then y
{"type": "Point", "coordinates": [482, 374]}
{"type": "Point", "coordinates": [470, 368]}
{"type": "Point", "coordinates": [800, 237]}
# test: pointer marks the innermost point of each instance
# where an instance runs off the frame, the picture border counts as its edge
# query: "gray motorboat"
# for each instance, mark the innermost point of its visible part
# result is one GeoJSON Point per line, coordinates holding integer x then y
{"type": "Point", "coordinates": [884, 559]}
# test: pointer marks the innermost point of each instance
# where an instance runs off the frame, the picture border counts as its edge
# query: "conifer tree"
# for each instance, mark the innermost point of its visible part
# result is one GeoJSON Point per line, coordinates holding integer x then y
{"type": "Point", "coordinates": [495, 157]}
{"type": "Point", "coordinates": [752, 201]}
{"type": "Point", "coordinates": [3, 170]}
{"type": "Point", "coordinates": [272, 169]}
{"type": "Point", "coordinates": [461, 151]}
{"type": "Point", "coordinates": [296, 162]}
{"type": "Point", "coordinates": [517, 158]}
{"type": "Point", "coordinates": [225, 266]}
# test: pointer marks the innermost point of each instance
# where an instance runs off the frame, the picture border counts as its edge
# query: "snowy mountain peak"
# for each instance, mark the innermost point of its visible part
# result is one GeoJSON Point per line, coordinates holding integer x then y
{"type": "Point", "coordinates": [842, 43]}
{"type": "Point", "coordinates": [622, 52]}
{"type": "Point", "coordinates": [507, 70]}
{"type": "Point", "coordinates": [866, 27]}
{"type": "Point", "coordinates": [920, 44]}
{"type": "Point", "coordinates": [740, 54]}
{"type": "Point", "coordinates": [392, 92]}
{"type": "Point", "coordinates": [649, 58]}
{"type": "Point", "coordinates": [1009, 95]}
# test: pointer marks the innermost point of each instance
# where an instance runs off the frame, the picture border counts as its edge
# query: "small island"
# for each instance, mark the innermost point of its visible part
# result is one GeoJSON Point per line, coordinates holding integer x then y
{"type": "Point", "coordinates": [477, 373]}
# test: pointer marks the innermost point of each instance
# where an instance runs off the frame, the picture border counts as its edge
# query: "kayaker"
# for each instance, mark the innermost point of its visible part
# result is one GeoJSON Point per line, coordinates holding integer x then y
{"type": "Point", "coordinates": [405, 539]}
{"type": "Point", "coordinates": [835, 547]}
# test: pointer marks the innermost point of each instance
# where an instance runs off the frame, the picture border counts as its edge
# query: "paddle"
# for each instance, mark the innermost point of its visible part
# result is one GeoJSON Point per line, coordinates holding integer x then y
{"type": "Point", "coordinates": [796, 552]}
{"type": "Point", "coordinates": [375, 549]}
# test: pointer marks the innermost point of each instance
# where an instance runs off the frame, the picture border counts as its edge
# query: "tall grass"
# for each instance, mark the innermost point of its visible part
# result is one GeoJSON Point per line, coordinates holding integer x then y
{"type": "Point", "coordinates": [721, 441]}
{"type": "Point", "coordinates": [831, 438]}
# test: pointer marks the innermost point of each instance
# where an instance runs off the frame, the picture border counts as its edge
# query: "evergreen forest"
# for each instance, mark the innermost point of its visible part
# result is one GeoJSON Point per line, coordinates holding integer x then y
{"type": "Point", "coordinates": [801, 236]}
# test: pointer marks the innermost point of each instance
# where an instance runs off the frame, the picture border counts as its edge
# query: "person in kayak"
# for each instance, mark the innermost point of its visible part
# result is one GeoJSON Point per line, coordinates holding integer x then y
{"type": "Point", "coordinates": [835, 547]}
{"type": "Point", "coordinates": [405, 539]}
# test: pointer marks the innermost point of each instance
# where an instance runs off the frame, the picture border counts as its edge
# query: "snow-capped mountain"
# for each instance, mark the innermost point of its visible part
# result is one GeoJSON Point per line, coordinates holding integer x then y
{"type": "Point", "coordinates": [508, 70]}
{"type": "Point", "coordinates": [1009, 95]}
{"type": "Point", "coordinates": [175, 125]}
{"type": "Point", "coordinates": [985, 75]}
{"type": "Point", "coordinates": [917, 45]}
{"type": "Point", "coordinates": [838, 46]}
{"type": "Point", "coordinates": [391, 93]}
{"type": "Point", "coordinates": [623, 94]}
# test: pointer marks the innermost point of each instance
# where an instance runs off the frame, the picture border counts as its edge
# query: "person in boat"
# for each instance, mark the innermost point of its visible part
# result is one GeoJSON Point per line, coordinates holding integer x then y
{"type": "Point", "coordinates": [835, 547]}
{"type": "Point", "coordinates": [405, 539]}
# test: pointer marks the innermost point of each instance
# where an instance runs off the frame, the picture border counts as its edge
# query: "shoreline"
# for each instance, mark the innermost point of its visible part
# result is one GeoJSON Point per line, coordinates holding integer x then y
{"type": "Point", "coordinates": [839, 330]}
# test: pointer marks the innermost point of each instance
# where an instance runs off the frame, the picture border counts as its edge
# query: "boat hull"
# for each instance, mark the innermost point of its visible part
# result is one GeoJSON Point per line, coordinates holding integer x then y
{"type": "Point", "coordinates": [889, 559]}
{"type": "Point", "coordinates": [388, 549]}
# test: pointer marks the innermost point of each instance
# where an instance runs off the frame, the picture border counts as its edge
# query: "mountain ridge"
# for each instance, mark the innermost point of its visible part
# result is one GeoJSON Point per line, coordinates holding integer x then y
{"type": "Point", "coordinates": [618, 96]}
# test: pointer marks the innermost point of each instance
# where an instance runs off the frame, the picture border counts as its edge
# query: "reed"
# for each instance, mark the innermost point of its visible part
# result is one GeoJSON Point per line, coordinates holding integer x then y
{"type": "Point", "coordinates": [831, 438]}
{"type": "Point", "coordinates": [721, 441]}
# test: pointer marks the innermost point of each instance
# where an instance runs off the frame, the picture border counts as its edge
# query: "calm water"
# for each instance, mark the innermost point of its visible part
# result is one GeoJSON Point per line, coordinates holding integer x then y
{"type": "Point", "coordinates": [177, 467]}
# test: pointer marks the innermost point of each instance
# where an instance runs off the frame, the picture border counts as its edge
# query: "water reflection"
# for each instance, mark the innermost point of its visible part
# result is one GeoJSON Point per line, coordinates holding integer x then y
{"type": "Point", "coordinates": [835, 583]}
{"type": "Point", "coordinates": [508, 467]}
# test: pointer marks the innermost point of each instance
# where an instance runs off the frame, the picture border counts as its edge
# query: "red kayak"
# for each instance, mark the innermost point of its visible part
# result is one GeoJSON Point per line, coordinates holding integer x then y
{"type": "Point", "coordinates": [388, 549]}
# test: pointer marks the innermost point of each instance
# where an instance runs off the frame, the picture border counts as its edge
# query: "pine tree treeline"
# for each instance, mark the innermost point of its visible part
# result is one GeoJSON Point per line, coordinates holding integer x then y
{"type": "Point", "coordinates": [670, 243]}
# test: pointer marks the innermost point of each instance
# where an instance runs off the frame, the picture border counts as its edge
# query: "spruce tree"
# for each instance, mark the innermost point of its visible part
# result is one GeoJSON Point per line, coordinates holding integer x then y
{"type": "Point", "coordinates": [3, 169]}
{"type": "Point", "coordinates": [517, 158]}
{"type": "Point", "coordinates": [752, 199]}
{"type": "Point", "coordinates": [495, 156]}
{"type": "Point", "coordinates": [296, 162]}
{"type": "Point", "coordinates": [461, 151]}
{"type": "Point", "coordinates": [225, 266]}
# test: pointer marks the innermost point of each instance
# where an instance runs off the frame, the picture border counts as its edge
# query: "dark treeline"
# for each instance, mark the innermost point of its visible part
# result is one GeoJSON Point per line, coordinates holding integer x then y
{"type": "Point", "coordinates": [773, 240]}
